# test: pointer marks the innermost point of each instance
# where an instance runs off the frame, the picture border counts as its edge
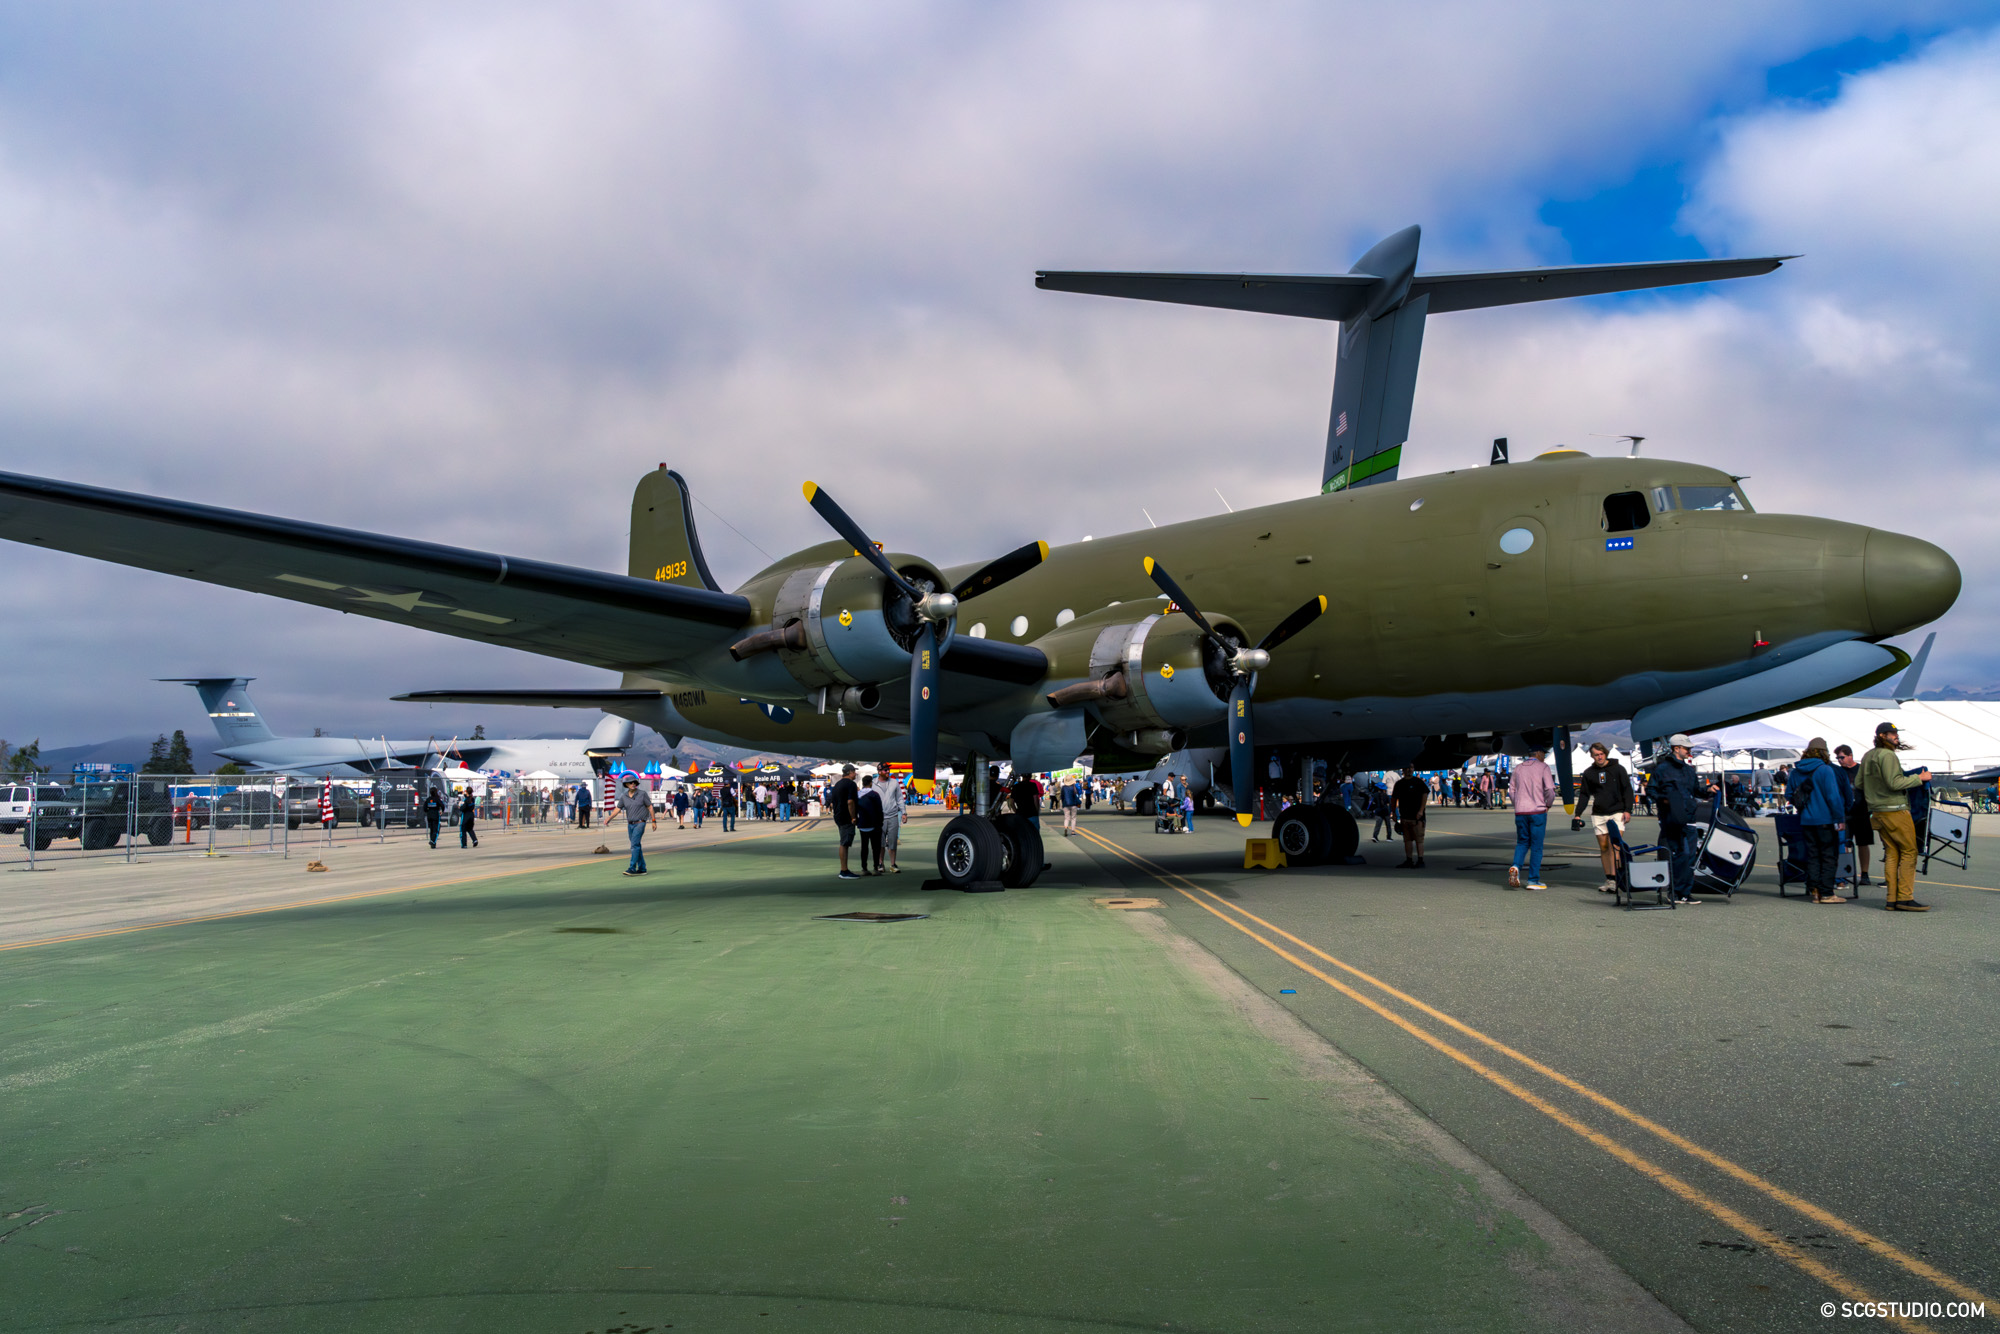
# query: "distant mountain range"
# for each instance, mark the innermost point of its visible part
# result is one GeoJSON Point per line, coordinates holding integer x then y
{"type": "Point", "coordinates": [133, 750]}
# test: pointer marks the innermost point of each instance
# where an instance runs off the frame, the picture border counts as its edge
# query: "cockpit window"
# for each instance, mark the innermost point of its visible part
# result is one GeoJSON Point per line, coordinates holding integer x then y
{"type": "Point", "coordinates": [1625, 512]}
{"type": "Point", "coordinates": [1712, 498]}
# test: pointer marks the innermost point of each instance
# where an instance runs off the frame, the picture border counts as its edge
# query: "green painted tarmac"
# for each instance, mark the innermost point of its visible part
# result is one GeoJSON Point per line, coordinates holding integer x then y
{"type": "Point", "coordinates": [572, 1101]}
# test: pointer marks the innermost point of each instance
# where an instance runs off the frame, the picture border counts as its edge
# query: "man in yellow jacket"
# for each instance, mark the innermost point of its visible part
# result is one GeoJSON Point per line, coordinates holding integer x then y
{"type": "Point", "coordinates": [1883, 785]}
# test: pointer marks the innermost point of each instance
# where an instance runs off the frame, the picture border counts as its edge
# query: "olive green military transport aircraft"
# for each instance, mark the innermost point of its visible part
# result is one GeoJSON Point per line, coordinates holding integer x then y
{"type": "Point", "coordinates": [1385, 621]}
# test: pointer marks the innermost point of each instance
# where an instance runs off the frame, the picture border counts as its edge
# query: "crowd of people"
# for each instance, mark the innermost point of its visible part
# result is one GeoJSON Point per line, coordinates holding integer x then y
{"type": "Point", "coordinates": [1842, 802]}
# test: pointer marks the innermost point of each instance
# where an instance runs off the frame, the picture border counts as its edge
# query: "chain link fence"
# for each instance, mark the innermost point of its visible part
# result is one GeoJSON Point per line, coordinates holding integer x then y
{"type": "Point", "coordinates": [47, 819]}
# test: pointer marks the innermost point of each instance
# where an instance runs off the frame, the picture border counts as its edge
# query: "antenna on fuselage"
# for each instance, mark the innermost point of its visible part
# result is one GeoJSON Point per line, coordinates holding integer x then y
{"type": "Point", "coordinates": [1635, 441]}
{"type": "Point", "coordinates": [1499, 453]}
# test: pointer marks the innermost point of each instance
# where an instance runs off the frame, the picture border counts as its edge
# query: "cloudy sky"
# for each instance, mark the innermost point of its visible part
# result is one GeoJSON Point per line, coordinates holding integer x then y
{"type": "Point", "coordinates": [463, 271]}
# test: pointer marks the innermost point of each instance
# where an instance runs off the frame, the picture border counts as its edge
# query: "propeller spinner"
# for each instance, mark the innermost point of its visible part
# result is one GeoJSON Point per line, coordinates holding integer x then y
{"type": "Point", "coordinates": [1243, 664]}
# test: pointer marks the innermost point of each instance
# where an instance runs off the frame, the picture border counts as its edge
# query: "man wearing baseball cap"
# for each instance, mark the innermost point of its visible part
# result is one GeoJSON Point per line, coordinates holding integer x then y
{"type": "Point", "coordinates": [1884, 787]}
{"type": "Point", "coordinates": [638, 808]}
{"type": "Point", "coordinates": [1677, 794]}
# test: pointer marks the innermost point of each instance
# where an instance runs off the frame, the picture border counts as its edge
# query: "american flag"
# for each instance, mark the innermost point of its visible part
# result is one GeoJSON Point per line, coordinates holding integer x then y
{"type": "Point", "coordinates": [326, 801]}
{"type": "Point", "coordinates": [1340, 424]}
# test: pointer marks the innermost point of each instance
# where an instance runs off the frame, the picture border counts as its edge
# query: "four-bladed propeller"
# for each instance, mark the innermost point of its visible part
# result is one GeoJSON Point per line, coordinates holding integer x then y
{"type": "Point", "coordinates": [934, 612]}
{"type": "Point", "coordinates": [1242, 664]}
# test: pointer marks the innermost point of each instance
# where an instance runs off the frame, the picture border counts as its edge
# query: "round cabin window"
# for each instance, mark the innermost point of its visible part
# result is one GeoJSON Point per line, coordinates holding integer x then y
{"type": "Point", "coordinates": [1516, 540]}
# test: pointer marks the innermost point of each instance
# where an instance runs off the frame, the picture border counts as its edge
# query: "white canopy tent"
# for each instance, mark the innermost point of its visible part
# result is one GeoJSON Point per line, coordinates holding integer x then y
{"type": "Point", "coordinates": [1948, 736]}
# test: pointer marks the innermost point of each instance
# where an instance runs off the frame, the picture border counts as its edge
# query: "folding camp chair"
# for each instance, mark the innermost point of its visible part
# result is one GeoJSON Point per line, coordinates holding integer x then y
{"type": "Point", "coordinates": [1642, 869]}
{"type": "Point", "coordinates": [1727, 852]}
{"type": "Point", "coordinates": [1947, 834]}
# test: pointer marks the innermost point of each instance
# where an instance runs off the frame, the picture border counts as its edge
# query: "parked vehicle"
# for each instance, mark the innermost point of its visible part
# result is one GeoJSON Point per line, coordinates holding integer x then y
{"type": "Point", "coordinates": [17, 802]}
{"type": "Point", "coordinates": [100, 811]}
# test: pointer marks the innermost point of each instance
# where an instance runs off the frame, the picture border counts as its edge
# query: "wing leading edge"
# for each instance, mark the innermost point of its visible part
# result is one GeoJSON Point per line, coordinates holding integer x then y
{"type": "Point", "coordinates": [586, 616]}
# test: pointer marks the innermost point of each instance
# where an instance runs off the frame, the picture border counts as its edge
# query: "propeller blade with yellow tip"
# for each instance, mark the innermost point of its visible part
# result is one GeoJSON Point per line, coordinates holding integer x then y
{"type": "Point", "coordinates": [837, 518]}
{"type": "Point", "coordinates": [997, 572]}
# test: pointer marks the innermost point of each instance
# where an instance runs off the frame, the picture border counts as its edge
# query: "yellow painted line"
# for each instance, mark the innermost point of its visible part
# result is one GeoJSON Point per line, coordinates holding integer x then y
{"type": "Point", "coordinates": [1949, 885]}
{"type": "Point", "coordinates": [1852, 1232]}
{"type": "Point", "coordinates": [332, 898]}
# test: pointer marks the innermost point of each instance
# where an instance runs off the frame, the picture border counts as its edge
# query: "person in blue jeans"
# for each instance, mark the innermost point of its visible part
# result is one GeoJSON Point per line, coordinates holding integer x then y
{"type": "Point", "coordinates": [728, 806]}
{"type": "Point", "coordinates": [638, 809]}
{"type": "Point", "coordinates": [1533, 792]}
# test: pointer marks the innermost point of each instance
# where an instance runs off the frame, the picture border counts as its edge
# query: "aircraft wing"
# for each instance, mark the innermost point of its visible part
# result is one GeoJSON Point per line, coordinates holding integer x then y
{"type": "Point", "coordinates": [535, 699]}
{"type": "Point", "coordinates": [587, 616]}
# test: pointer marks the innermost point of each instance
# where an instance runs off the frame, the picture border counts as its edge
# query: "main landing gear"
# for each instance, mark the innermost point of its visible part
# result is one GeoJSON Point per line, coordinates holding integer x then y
{"type": "Point", "coordinates": [978, 851]}
{"type": "Point", "coordinates": [1316, 835]}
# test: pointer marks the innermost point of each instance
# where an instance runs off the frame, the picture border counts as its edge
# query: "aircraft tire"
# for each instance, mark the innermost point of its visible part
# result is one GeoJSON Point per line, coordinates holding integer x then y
{"type": "Point", "coordinates": [1147, 803]}
{"type": "Point", "coordinates": [1343, 835]}
{"type": "Point", "coordinates": [1024, 850]}
{"type": "Point", "coordinates": [1303, 835]}
{"type": "Point", "coordinates": [969, 851]}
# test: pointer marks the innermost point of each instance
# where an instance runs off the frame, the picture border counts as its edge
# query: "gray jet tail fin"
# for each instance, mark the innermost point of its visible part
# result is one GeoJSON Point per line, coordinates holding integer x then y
{"type": "Point", "coordinates": [1381, 305]}
{"type": "Point", "coordinates": [227, 699]}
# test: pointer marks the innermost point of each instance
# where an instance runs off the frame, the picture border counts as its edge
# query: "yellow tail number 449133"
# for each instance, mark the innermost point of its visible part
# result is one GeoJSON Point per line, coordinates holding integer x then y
{"type": "Point", "coordinates": [677, 570]}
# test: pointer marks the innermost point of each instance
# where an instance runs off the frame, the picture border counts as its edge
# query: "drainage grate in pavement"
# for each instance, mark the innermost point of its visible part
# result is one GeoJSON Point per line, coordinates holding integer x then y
{"type": "Point", "coordinates": [588, 930]}
{"type": "Point", "coordinates": [873, 917]}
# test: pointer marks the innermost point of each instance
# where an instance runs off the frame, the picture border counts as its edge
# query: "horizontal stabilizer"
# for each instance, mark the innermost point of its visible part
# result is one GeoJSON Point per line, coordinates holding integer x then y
{"type": "Point", "coordinates": [534, 699]}
{"type": "Point", "coordinates": [1336, 296]}
{"type": "Point", "coordinates": [1381, 305]}
{"type": "Point", "coordinates": [1342, 296]}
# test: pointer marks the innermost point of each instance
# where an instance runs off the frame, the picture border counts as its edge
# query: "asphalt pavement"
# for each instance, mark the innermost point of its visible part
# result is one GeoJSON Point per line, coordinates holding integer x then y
{"type": "Point", "coordinates": [1756, 1107]}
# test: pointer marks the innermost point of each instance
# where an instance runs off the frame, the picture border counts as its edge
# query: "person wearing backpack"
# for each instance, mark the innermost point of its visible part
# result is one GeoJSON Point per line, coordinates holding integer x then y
{"type": "Point", "coordinates": [1816, 790]}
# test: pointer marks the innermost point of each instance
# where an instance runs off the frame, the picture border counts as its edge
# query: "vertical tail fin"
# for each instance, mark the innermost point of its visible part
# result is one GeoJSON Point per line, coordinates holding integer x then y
{"type": "Point", "coordinates": [664, 545]}
{"type": "Point", "coordinates": [227, 699]}
{"type": "Point", "coordinates": [1375, 370]}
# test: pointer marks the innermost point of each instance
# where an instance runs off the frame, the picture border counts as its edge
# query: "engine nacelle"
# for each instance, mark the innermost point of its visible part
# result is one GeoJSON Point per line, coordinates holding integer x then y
{"type": "Point", "coordinates": [838, 624]}
{"type": "Point", "coordinates": [1153, 676]}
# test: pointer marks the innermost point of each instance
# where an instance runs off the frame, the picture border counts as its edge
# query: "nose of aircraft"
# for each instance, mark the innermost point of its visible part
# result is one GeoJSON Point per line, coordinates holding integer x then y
{"type": "Point", "coordinates": [1909, 582]}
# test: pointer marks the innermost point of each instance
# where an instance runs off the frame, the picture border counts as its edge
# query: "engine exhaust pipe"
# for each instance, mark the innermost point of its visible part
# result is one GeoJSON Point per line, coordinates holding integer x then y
{"type": "Point", "coordinates": [1113, 686]}
{"type": "Point", "coordinates": [792, 635]}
